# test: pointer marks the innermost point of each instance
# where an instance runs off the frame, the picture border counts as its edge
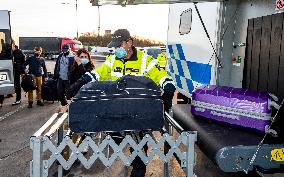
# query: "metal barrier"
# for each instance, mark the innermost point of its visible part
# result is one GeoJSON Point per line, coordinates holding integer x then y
{"type": "Point", "coordinates": [41, 142]}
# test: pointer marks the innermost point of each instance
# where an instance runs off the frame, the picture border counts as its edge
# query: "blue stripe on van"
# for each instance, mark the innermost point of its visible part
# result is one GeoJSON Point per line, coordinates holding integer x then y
{"type": "Point", "coordinates": [180, 70]}
{"type": "Point", "coordinates": [171, 51]}
{"type": "Point", "coordinates": [180, 52]}
{"type": "Point", "coordinates": [171, 66]}
{"type": "Point", "coordinates": [189, 85]}
{"type": "Point", "coordinates": [199, 72]}
{"type": "Point", "coordinates": [178, 81]}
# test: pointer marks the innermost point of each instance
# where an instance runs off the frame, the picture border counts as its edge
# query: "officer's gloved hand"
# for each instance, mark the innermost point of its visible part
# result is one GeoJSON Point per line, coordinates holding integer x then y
{"type": "Point", "coordinates": [169, 87]}
{"type": "Point", "coordinates": [87, 77]}
{"type": "Point", "coordinates": [74, 88]}
{"type": "Point", "coordinates": [169, 90]}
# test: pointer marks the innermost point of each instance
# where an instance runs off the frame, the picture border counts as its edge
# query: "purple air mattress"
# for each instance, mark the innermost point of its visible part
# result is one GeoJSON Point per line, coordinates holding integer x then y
{"type": "Point", "coordinates": [236, 106]}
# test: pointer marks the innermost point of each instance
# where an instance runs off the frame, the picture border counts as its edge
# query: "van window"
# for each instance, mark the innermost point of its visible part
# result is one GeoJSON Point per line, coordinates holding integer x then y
{"type": "Point", "coordinates": [5, 47]}
{"type": "Point", "coordinates": [185, 22]}
{"type": "Point", "coordinates": [2, 41]}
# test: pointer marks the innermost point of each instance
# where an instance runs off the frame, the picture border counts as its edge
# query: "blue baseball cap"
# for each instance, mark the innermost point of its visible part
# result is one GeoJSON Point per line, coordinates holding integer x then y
{"type": "Point", "coordinates": [65, 47]}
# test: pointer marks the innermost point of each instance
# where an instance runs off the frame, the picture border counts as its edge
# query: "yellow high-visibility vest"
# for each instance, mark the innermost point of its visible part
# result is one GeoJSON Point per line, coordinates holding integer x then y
{"type": "Point", "coordinates": [140, 64]}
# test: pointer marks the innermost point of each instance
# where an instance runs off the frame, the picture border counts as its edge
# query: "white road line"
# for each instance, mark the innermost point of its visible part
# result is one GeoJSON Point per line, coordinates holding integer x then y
{"type": "Point", "coordinates": [12, 112]}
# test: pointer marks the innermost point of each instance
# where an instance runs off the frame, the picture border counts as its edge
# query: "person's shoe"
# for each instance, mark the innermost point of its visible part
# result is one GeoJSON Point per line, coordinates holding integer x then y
{"type": "Point", "coordinates": [0, 105]}
{"type": "Point", "coordinates": [30, 105]}
{"type": "Point", "coordinates": [16, 103]}
{"type": "Point", "coordinates": [39, 103]}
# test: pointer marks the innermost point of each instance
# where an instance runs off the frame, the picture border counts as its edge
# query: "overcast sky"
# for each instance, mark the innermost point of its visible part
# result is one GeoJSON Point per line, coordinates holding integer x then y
{"type": "Point", "coordinates": [52, 18]}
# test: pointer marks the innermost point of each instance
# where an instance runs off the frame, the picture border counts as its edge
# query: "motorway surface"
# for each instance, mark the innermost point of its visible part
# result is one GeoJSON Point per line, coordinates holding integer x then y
{"type": "Point", "coordinates": [18, 123]}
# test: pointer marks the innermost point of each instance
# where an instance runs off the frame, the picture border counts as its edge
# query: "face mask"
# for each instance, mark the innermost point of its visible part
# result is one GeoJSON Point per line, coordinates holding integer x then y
{"type": "Point", "coordinates": [66, 53]}
{"type": "Point", "coordinates": [120, 53]}
{"type": "Point", "coordinates": [84, 61]}
{"type": "Point", "coordinates": [36, 54]}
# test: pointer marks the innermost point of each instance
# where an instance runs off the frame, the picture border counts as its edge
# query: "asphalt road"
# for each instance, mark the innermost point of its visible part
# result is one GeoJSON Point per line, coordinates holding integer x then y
{"type": "Point", "coordinates": [18, 123]}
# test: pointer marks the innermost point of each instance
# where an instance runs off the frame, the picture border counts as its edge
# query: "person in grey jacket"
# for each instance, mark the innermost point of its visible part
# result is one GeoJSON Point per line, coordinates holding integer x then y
{"type": "Point", "coordinates": [62, 72]}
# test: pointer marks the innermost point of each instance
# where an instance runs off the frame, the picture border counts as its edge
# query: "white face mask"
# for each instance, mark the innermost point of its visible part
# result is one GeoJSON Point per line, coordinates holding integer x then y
{"type": "Point", "coordinates": [84, 61]}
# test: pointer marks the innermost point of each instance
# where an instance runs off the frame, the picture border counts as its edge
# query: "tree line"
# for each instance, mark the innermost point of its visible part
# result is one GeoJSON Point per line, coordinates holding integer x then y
{"type": "Point", "coordinates": [98, 40]}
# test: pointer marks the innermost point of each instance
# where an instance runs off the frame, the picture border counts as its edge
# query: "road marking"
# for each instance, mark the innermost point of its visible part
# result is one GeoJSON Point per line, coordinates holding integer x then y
{"type": "Point", "coordinates": [8, 114]}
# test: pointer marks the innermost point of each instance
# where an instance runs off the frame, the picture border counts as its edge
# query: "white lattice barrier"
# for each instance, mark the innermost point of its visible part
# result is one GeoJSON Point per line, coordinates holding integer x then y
{"type": "Point", "coordinates": [41, 144]}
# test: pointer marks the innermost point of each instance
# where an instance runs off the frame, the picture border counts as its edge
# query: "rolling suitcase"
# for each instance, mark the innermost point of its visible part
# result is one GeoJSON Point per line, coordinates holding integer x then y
{"type": "Point", "coordinates": [130, 103]}
{"type": "Point", "coordinates": [49, 90]}
{"type": "Point", "coordinates": [236, 106]}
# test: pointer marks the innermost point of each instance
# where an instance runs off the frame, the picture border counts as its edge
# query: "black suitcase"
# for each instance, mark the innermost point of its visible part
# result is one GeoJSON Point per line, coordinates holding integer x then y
{"type": "Point", "coordinates": [130, 103]}
{"type": "Point", "coordinates": [49, 90]}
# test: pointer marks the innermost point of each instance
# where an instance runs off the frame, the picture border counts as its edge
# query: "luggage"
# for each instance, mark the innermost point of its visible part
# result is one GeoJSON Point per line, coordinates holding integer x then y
{"type": "Point", "coordinates": [236, 106]}
{"type": "Point", "coordinates": [28, 82]}
{"type": "Point", "coordinates": [49, 90]}
{"type": "Point", "coordinates": [130, 103]}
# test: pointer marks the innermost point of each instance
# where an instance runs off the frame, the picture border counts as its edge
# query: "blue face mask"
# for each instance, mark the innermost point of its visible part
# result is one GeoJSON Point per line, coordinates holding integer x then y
{"type": "Point", "coordinates": [84, 61]}
{"type": "Point", "coordinates": [120, 53]}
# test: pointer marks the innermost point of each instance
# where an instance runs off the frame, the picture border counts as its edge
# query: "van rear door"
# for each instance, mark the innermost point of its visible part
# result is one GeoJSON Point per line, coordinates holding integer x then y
{"type": "Point", "coordinates": [191, 59]}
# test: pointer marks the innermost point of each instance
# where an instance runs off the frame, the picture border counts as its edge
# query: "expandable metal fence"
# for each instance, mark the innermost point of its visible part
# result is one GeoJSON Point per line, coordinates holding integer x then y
{"type": "Point", "coordinates": [51, 137]}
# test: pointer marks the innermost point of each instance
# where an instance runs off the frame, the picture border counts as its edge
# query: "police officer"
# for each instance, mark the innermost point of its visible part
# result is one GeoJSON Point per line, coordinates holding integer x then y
{"type": "Point", "coordinates": [128, 60]}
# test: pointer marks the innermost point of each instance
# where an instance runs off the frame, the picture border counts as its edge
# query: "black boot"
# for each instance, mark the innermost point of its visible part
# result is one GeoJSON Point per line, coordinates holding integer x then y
{"type": "Point", "coordinates": [39, 103]}
{"type": "Point", "coordinates": [30, 105]}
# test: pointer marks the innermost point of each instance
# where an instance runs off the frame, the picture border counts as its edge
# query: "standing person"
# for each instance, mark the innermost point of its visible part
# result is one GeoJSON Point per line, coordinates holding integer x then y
{"type": "Point", "coordinates": [19, 60]}
{"type": "Point", "coordinates": [83, 63]}
{"type": "Point", "coordinates": [62, 71]}
{"type": "Point", "coordinates": [36, 66]}
{"type": "Point", "coordinates": [128, 60]}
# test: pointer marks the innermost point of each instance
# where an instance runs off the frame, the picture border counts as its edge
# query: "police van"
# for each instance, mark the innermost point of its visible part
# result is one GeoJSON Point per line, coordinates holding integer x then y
{"type": "Point", "coordinates": [6, 58]}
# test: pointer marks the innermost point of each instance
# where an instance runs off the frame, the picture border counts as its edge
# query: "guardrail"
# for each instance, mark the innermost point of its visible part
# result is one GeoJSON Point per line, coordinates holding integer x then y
{"type": "Point", "coordinates": [166, 148]}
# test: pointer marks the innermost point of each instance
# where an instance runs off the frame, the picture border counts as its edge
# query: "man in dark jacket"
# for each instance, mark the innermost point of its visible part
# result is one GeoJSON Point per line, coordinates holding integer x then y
{"type": "Point", "coordinates": [62, 71]}
{"type": "Point", "coordinates": [19, 60]}
{"type": "Point", "coordinates": [38, 69]}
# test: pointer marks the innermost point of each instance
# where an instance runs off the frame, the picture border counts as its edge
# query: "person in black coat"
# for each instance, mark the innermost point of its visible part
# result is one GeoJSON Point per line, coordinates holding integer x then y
{"type": "Point", "coordinates": [19, 60]}
{"type": "Point", "coordinates": [82, 64]}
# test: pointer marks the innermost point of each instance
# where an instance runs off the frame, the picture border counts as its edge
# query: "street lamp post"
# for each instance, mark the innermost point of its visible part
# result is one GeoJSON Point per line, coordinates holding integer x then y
{"type": "Point", "coordinates": [77, 19]}
{"type": "Point", "coordinates": [76, 7]}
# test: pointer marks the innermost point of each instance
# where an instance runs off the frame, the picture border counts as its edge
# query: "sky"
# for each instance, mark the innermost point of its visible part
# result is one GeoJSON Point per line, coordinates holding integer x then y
{"type": "Point", "coordinates": [58, 18]}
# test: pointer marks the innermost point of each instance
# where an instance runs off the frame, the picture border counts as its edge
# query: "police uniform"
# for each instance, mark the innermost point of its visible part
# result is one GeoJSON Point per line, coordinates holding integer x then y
{"type": "Point", "coordinates": [139, 64]}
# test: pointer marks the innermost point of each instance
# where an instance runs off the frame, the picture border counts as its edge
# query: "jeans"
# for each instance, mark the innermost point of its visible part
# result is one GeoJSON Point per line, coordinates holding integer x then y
{"type": "Point", "coordinates": [62, 86]}
{"type": "Point", "coordinates": [38, 90]}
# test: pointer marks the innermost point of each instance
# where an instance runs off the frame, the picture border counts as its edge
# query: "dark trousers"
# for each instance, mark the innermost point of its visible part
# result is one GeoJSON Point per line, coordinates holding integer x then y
{"type": "Point", "coordinates": [17, 84]}
{"type": "Point", "coordinates": [62, 86]}
{"type": "Point", "coordinates": [1, 99]}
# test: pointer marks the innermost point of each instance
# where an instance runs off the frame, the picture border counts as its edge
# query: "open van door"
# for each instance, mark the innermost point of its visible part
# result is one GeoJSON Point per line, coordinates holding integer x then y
{"type": "Point", "coordinates": [191, 58]}
{"type": "Point", "coordinates": [6, 58]}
